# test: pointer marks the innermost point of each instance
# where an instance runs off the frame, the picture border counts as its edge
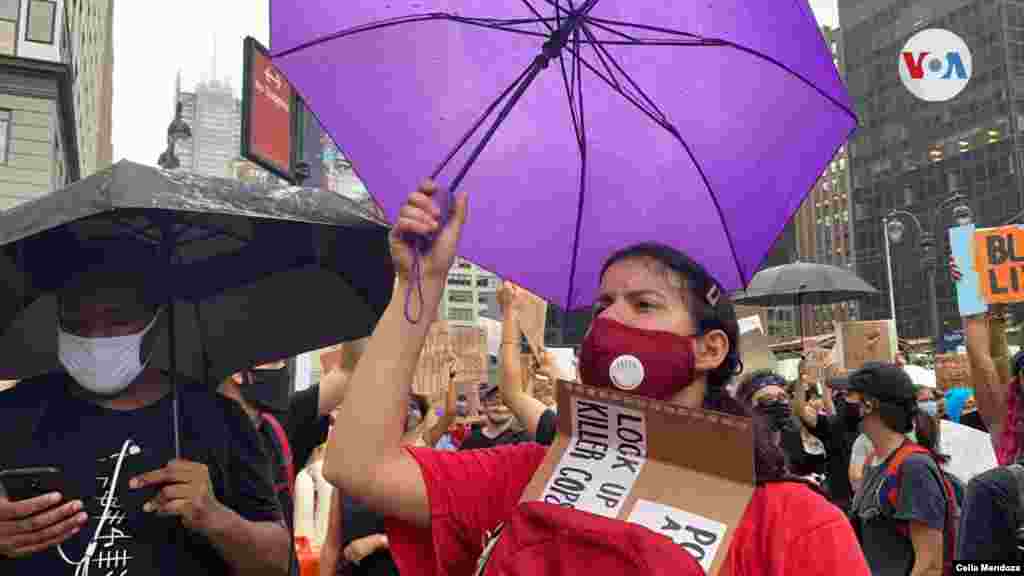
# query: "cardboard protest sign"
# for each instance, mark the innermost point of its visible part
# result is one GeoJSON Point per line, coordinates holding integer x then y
{"type": "Point", "coordinates": [750, 323]}
{"type": "Point", "coordinates": [565, 359]}
{"type": "Point", "coordinates": [866, 341]}
{"type": "Point", "coordinates": [968, 289]}
{"type": "Point", "coordinates": [755, 351]}
{"type": "Point", "coordinates": [817, 362]}
{"type": "Point", "coordinates": [470, 346]}
{"type": "Point", "coordinates": [622, 456]}
{"type": "Point", "coordinates": [970, 450]}
{"type": "Point", "coordinates": [952, 371]}
{"type": "Point", "coordinates": [436, 357]}
{"type": "Point", "coordinates": [999, 263]}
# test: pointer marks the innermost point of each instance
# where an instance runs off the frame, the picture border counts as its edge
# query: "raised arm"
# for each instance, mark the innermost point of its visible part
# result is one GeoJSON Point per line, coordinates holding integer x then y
{"type": "Point", "coordinates": [432, 436]}
{"type": "Point", "coordinates": [800, 400]}
{"type": "Point", "coordinates": [986, 341]}
{"type": "Point", "coordinates": [364, 455]}
{"type": "Point", "coordinates": [526, 408]}
{"type": "Point", "coordinates": [989, 391]}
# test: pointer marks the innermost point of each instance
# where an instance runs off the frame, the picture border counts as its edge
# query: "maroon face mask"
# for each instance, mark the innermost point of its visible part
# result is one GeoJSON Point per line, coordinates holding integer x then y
{"type": "Point", "coordinates": [648, 363]}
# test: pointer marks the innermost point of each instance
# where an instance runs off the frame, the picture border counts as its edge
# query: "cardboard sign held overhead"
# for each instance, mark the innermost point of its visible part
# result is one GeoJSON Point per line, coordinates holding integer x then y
{"type": "Point", "coordinates": [622, 456]}
{"type": "Point", "coordinates": [432, 371]}
{"type": "Point", "coordinates": [868, 341]}
{"type": "Point", "coordinates": [952, 371]}
{"type": "Point", "coordinates": [999, 262]}
{"type": "Point", "coordinates": [755, 349]}
{"type": "Point", "coordinates": [470, 345]}
{"type": "Point", "coordinates": [817, 363]}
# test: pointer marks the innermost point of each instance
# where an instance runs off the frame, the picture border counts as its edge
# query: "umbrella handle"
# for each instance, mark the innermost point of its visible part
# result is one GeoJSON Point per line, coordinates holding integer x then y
{"type": "Point", "coordinates": [421, 245]}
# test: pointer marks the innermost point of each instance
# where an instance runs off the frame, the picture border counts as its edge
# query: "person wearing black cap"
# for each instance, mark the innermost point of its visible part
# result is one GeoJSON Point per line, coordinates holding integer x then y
{"type": "Point", "coordinates": [499, 427]}
{"type": "Point", "coordinates": [902, 510]}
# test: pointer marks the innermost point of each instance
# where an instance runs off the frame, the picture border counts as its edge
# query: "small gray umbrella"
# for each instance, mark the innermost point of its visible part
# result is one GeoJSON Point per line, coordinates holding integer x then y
{"type": "Point", "coordinates": [248, 273]}
{"type": "Point", "coordinates": [803, 283]}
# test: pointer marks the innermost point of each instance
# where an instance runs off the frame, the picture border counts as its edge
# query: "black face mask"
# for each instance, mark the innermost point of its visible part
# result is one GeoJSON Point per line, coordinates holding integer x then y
{"type": "Point", "coordinates": [779, 413]}
{"type": "Point", "coordinates": [849, 411]}
{"type": "Point", "coordinates": [268, 390]}
{"type": "Point", "coordinates": [973, 419]}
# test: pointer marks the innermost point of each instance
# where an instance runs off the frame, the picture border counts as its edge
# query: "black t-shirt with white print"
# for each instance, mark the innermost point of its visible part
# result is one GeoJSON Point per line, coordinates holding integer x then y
{"type": "Point", "coordinates": [86, 441]}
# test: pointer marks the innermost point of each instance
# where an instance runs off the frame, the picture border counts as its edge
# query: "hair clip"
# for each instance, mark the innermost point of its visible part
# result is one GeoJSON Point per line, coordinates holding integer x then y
{"type": "Point", "coordinates": [713, 295]}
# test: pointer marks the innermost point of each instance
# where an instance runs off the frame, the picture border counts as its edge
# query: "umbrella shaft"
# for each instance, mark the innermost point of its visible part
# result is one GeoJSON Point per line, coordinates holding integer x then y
{"type": "Point", "coordinates": [531, 75]}
{"type": "Point", "coordinates": [552, 48]}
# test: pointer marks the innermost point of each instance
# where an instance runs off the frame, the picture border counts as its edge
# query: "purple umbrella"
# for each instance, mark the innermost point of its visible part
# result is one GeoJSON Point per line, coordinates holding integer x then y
{"type": "Point", "coordinates": [578, 127]}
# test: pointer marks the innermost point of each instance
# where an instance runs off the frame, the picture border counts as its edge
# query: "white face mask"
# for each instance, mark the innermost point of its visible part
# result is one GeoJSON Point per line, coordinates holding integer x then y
{"type": "Point", "coordinates": [103, 366]}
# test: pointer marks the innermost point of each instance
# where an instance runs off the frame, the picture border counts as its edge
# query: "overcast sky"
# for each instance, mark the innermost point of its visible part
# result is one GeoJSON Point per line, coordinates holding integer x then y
{"type": "Point", "coordinates": [154, 40]}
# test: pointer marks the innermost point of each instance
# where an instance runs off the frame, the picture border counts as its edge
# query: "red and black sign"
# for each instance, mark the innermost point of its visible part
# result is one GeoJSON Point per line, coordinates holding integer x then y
{"type": "Point", "coordinates": [268, 111]}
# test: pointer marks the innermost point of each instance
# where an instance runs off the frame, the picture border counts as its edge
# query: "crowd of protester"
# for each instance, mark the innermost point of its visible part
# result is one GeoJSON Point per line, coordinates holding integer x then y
{"type": "Point", "coordinates": [850, 476]}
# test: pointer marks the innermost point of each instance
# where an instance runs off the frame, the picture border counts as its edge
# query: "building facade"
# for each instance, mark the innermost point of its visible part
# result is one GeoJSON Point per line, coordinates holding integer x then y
{"type": "Point", "coordinates": [912, 155]}
{"type": "Point", "coordinates": [56, 62]}
{"type": "Point", "coordinates": [90, 54]}
{"type": "Point", "coordinates": [469, 293]}
{"type": "Point", "coordinates": [820, 232]}
{"type": "Point", "coordinates": [215, 116]}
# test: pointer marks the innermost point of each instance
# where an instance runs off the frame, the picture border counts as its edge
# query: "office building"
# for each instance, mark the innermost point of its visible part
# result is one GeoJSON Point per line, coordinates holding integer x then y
{"type": "Point", "coordinates": [822, 227]}
{"type": "Point", "coordinates": [90, 48]}
{"type": "Point", "coordinates": [911, 155]}
{"type": "Point", "coordinates": [56, 60]}
{"type": "Point", "coordinates": [469, 293]}
{"type": "Point", "coordinates": [215, 116]}
{"type": "Point", "coordinates": [818, 232]}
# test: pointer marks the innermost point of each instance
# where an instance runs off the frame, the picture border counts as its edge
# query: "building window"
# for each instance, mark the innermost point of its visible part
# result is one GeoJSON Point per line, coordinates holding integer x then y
{"type": "Point", "coordinates": [483, 282]}
{"type": "Point", "coordinates": [460, 296]}
{"type": "Point", "coordinates": [459, 280]}
{"type": "Point", "coordinates": [42, 19]}
{"type": "Point", "coordinates": [460, 314]}
{"type": "Point", "coordinates": [5, 135]}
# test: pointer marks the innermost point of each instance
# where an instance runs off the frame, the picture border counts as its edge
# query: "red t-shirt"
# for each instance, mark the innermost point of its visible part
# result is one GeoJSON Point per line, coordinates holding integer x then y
{"type": "Point", "coordinates": [786, 529]}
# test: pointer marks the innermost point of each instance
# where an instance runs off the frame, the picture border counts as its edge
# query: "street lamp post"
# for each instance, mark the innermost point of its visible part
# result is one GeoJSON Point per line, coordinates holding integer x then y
{"type": "Point", "coordinates": [930, 244]}
{"type": "Point", "coordinates": [177, 130]}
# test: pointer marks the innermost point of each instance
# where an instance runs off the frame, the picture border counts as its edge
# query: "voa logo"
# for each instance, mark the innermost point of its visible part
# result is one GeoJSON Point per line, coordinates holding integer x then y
{"type": "Point", "coordinates": [935, 65]}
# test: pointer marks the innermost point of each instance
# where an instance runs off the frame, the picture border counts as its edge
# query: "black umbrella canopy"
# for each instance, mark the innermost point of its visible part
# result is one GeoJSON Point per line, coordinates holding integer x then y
{"type": "Point", "coordinates": [256, 273]}
{"type": "Point", "coordinates": [803, 283]}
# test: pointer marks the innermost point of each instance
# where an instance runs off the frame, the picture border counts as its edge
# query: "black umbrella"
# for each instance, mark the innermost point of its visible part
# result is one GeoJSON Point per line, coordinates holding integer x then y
{"type": "Point", "coordinates": [250, 273]}
{"type": "Point", "coordinates": [803, 283]}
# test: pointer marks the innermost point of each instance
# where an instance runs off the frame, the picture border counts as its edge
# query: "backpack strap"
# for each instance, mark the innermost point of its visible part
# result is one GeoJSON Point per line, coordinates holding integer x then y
{"type": "Point", "coordinates": [284, 451]}
{"type": "Point", "coordinates": [892, 470]}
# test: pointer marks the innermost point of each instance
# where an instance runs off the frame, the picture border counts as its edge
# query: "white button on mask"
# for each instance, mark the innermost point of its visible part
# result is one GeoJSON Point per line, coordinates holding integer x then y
{"type": "Point", "coordinates": [103, 366]}
{"type": "Point", "coordinates": [626, 372]}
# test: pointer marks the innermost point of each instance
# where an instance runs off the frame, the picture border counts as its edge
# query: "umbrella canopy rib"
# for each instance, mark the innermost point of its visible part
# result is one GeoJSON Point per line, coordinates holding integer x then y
{"type": "Point", "coordinates": [700, 41]}
{"type": "Point", "coordinates": [499, 24]}
{"type": "Point", "coordinates": [581, 134]}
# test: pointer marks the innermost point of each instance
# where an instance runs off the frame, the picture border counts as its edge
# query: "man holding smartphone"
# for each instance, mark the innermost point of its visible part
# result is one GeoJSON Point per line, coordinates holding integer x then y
{"type": "Point", "coordinates": [114, 500]}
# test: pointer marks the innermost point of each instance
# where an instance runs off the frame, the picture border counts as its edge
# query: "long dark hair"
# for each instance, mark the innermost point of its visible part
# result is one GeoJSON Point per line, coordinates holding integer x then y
{"type": "Point", "coordinates": [712, 310]}
{"type": "Point", "coordinates": [927, 429]}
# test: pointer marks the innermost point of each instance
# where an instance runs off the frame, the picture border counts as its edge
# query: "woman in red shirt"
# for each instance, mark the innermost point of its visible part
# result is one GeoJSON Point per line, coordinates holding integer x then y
{"type": "Point", "coordinates": [655, 304]}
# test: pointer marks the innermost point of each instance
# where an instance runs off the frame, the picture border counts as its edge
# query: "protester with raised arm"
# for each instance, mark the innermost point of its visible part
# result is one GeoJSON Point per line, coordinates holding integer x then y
{"type": "Point", "coordinates": [458, 513]}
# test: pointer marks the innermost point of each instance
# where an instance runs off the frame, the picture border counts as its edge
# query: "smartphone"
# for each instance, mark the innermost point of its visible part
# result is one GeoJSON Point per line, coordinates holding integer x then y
{"type": "Point", "coordinates": [26, 483]}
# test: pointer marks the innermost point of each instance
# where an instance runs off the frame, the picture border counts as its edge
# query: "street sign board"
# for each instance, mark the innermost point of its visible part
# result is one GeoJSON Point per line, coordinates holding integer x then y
{"type": "Point", "coordinates": [268, 113]}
